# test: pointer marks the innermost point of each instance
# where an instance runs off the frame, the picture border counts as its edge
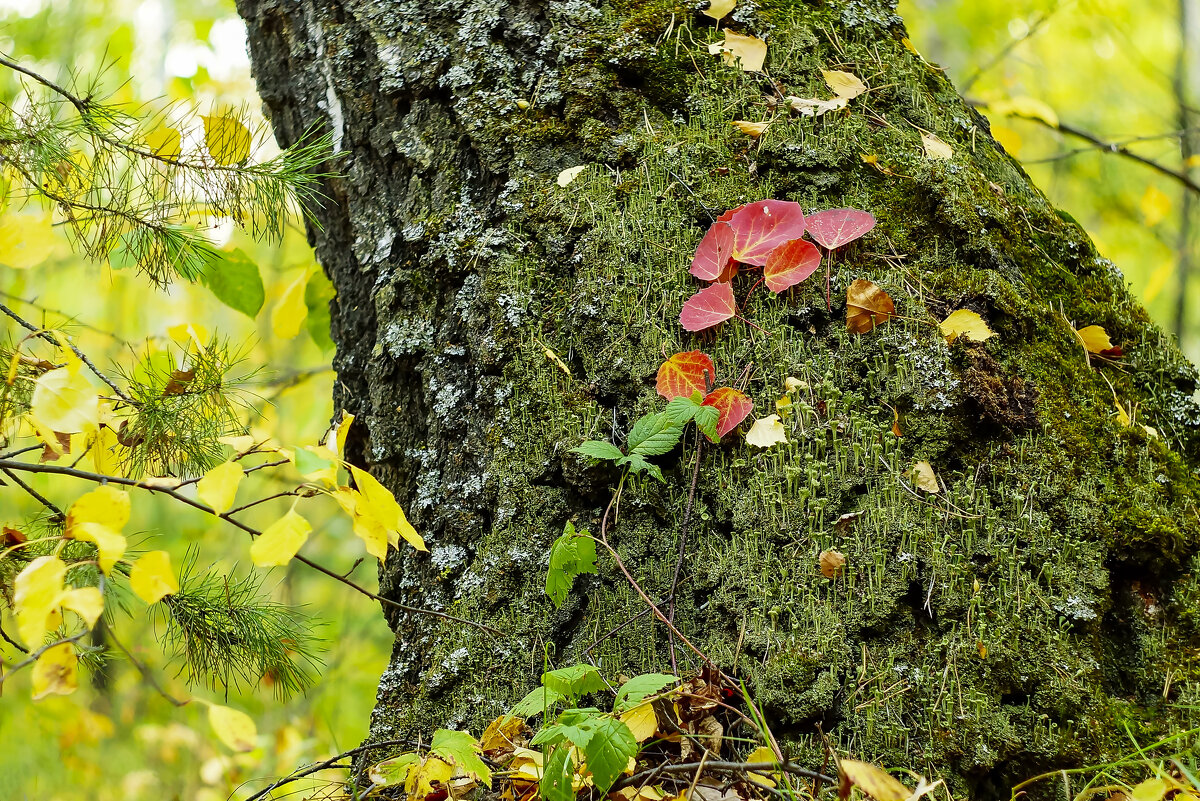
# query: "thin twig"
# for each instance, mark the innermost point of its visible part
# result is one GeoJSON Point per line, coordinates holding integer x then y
{"type": "Point", "coordinates": [683, 538]}
{"type": "Point", "coordinates": [721, 767]}
{"type": "Point", "coordinates": [100, 478]}
{"type": "Point", "coordinates": [146, 672]}
{"type": "Point", "coordinates": [327, 764]}
{"type": "Point", "coordinates": [34, 493]}
{"type": "Point", "coordinates": [13, 642]}
{"type": "Point", "coordinates": [28, 326]}
{"type": "Point", "coordinates": [33, 657]}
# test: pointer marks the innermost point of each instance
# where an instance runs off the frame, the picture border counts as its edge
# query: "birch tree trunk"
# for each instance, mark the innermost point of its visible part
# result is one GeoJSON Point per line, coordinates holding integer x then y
{"type": "Point", "coordinates": [1013, 622]}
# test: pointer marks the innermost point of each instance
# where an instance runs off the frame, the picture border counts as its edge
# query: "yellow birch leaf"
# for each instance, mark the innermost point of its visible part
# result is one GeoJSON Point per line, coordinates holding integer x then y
{"type": "Point", "coordinates": [104, 452]}
{"type": "Point", "coordinates": [965, 322]}
{"type": "Point", "coordinates": [64, 400]}
{"type": "Point", "coordinates": [55, 672]}
{"type": "Point", "coordinates": [751, 129]}
{"type": "Point", "coordinates": [105, 505]}
{"type": "Point", "coordinates": [290, 310]}
{"type": "Point", "coordinates": [151, 577]}
{"type": "Point", "coordinates": [241, 443]}
{"type": "Point", "coordinates": [87, 602]}
{"type": "Point", "coordinates": [935, 148]}
{"type": "Point", "coordinates": [163, 141]}
{"type": "Point", "coordinates": [767, 431]}
{"type": "Point", "coordinates": [762, 754]}
{"type": "Point", "coordinates": [227, 140]}
{"type": "Point", "coordinates": [27, 239]}
{"type": "Point", "coordinates": [381, 505]}
{"type": "Point", "coordinates": [189, 332]}
{"type": "Point", "coordinates": [1122, 414]}
{"type": "Point", "coordinates": [748, 52]}
{"type": "Point", "coordinates": [1149, 790]}
{"type": "Point", "coordinates": [421, 779]}
{"type": "Point", "coordinates": [219, 486]}
{"type": "Point", "coordinates": [846, 85]}
{"type": "Point", "coordinates": [37, 592]}
{"type": "Point", "coordinates": [875, 782]}
{"type": "Point", "coordinates": [925, 478]}
{"type": "Point", "coordinates": [501, 733]}
{"type": "Point", "coordinates": [1095, 339]}
{"type": "Point", "coordinates": [373, 533]}
{"type": "Point", "coordinates": [343, 430]}
{"type": "Point", "coordinates": [235, 729]}
{"type": "Point", "coordinates": [326, 474]}
{"type": "Point", "coordinates": [642, 721]}
{"type": "Point", "coordinates": [109, 543]}
{"type": "Point", "coordinates": [717, 9]}
{"type": "Point", "coordinates": [280, 540]}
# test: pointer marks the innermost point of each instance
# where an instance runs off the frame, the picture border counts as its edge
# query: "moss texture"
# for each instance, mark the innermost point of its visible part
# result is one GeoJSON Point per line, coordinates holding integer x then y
{"type": "Point", "coordinates": [1014, 623]}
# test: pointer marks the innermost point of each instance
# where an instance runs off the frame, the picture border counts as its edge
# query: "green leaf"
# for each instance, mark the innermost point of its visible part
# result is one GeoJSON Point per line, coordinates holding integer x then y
{"type": "Point", "coordinates": [308, 462]}
{"type": "Point", "coordinates": [572, 724]}
{"type": "Point", "coordinates": [682, 411]}
{"type": "Point", "coordinates": [392, 771]}
{"type": "Point", "coordinates": [571, 556]}
{"type": "Point", "coordinates": [607, 751]}
{"type": "Point", "coordinates": [539, 700]}
{"type": "Point", "coordinates": [573, 681]}
{"type": "Point", "coordinates": [557, 775]}
{"type": "Point", "coordinates": [653, 435]}
{"type": "Point", "coordinates": [234, 279]}
{"type": "Point", "coordinates": [318, 292]}
{"type": "Point", "coordinates": [706, 420]}
{"type": "Point", "coordinates": [637, 464]}
{"type": "Point", "coordinates": [464, 750]}
{"type": "Point", "coordinates": [598, 450]}
{"type": "Point", "coordinates": [634, 691]}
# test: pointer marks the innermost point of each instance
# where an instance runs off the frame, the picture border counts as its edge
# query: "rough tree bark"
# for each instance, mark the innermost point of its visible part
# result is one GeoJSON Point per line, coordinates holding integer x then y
{"type": "Point", "coordinates": [1016, 621]}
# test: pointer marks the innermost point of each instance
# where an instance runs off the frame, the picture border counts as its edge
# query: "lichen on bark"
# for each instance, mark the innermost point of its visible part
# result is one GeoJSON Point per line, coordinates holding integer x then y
{"type": "Point", "coordinates": [1013, 623]}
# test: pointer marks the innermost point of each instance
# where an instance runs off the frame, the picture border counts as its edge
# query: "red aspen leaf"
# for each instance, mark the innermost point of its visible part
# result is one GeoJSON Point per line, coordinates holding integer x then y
{"type": "Point", "coordinates": [728, 273]}
{"type": "Point", "coordinates": [790, 263]}
{"type": "Point", "coordinates": [708, 307]}
{"type": "Point", "coordinates": [714, 253]}
{"type": "Point", "coordinates": [685, 373]}
{"type": "Point", "coordinates": [759, 228]}
{"type": "Point", "coordinates": [732, 408]}
{"type": "Point", "coordinates": [726, 216]}
{"type": "Point", "coordinates": [837, 227]}
{"type": "Point", "coordinates": [867, 306]}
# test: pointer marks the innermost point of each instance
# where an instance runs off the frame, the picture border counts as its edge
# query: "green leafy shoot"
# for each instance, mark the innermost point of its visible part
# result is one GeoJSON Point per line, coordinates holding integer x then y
{"type": "Point", "coordinates": [574, 681]}
{"type": "Point", "coordinates": [652, 435]}
{"type": "Point", "coordinates": [571, 555]}
{"type": "Point", "coordinates": [636, 690]}
{"type": "Point", "coordinates": [557, 777]}
{"type": "Point", "coordinates": [683, 410]}
{"type": "Point", "coordinates": [606, 743]}
{"type": "Point", "coordinates": [539, 700]}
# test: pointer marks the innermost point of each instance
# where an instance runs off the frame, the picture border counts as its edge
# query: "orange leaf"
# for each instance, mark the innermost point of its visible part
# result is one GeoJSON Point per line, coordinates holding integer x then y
{"type": "Point", "coordinates": [867, 306]}
{"type": "Point", "coordinates": [685, 373]}
{"type": "Point", "coordinates": [732, 408]}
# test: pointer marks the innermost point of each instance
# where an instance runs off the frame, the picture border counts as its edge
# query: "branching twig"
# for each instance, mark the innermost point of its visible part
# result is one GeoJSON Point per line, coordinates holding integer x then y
{"type": "Point", "coordinates": [100, 478]}
{"type": "Point", "coordinates": [327, 764]}
{"type": "Point", "coordinates": [33, 657]}
{"type": "Point", "coordinates": [37, 496]}
{"type": "Point", "coordinates": [146, 672]}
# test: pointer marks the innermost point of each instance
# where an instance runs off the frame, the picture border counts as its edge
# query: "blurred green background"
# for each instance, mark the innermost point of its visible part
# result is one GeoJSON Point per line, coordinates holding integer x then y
{"type": "Point", "coordinates": [1116, 69]}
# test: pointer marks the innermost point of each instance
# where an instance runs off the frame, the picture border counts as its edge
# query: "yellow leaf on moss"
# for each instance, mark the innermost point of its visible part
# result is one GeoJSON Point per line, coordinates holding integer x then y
{"type": "Point", "coordinates": [425, 777]}
{"type": "Point", "coordinates": [846, 85]}
{"type": "Point", "coordinates": [219, 486]}
{"type": "Point", "coordinates": [767, 431]}
{"type": "Point", "coordinates": [717, 9]}
{"type": "Point", "coordinates": [56, 672]}
{"type": "Point", "coordinates": [227, 140]}
{"type": "Point", "coordinates": [280, 541]}
{"type": "Point", "coordinates": [569, 174]}
{"type": "Point", "coordinates": [935, 148]}
{"type": "Point", "coordinates": [151, 577]}
{"type": "Point", "coordinates": [37, 591]}
{"type": "Point", "coordinates": [235, 729]}
{"type": "Point", "coordinates": [924, 477]}
{"type": "Point", "coordinates": [751, 129]}
{"type": "Point", "coordinates": [290, 310]}
{"type": "Point", "coordinates": [965, 322]}
{"type": "Point", "coordinates": [642, 721]}
{"type": "Point", "coordinates": [748, 52]}
{"type": "Point", "coordinates": [1149, 790]}
{"type": "Point", "coordinates": [867, 306]}
{"type": "Point", "coordinates": [1095, 339]}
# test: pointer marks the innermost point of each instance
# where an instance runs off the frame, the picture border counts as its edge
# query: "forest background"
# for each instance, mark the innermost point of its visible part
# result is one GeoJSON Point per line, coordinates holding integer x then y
{"type": "Point", "coordinates": [1122, 72]}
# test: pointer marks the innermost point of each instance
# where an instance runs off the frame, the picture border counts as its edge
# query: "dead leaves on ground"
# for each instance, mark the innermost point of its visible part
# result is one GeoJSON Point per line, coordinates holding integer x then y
{"type": "Point", "coordinates": [845, 87]}
{"type": "Point", "coordinates": [867, 306]}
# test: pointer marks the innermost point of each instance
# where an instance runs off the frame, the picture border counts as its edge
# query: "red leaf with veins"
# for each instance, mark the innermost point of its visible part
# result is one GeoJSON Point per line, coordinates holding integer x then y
{"type": "Point", "coordinates": [791, 263]}
{"type": "Point", "coordinates": [732, 408]}
{"type": "Point", "coordinates": [685, 373]}
{"type": "Point", "coordinates": [711, 305]}
{"type": "Point", "coordinates": [727, 215]}
{"type": "Point", "coordinates": [714, 254]}
{"type": "Point", "coordinates": [759, 228]}
{"type": "Point", "coordinates": [836, 227]}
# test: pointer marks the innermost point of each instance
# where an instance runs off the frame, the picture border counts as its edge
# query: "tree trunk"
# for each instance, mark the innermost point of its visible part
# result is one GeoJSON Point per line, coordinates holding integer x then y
{"type": "Point", "coordinates": [1016, 621]}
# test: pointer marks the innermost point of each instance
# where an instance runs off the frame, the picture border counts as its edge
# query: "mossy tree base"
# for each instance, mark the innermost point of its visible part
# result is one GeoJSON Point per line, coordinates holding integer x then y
{"type": "Point", "coordinates": [1016, 622]}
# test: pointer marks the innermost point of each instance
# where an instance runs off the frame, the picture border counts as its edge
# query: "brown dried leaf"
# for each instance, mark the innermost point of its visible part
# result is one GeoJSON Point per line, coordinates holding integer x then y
{"type": "Point", "coordinates": [867, 306]}
{"type": "Point", "coordinates": [832, 563]}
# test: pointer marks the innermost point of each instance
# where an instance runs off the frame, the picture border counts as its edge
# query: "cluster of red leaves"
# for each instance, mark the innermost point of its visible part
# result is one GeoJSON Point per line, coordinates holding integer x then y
{"type": "Point", "coordinates": [685, 374]}
{"type": "Point", "coordinates": [766, 234]}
